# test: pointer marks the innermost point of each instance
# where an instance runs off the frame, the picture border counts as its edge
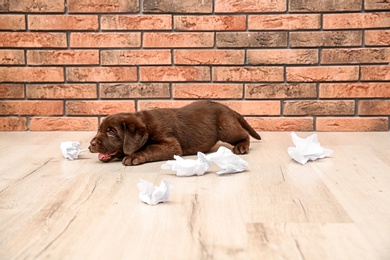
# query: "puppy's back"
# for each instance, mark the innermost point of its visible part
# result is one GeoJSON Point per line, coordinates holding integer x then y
{"type": "Point", "coordinates": [220, 112]}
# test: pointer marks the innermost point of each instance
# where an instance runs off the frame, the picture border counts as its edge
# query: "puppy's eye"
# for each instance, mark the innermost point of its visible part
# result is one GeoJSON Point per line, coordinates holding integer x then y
{"type": "Point", "coordinates": [111, 133]}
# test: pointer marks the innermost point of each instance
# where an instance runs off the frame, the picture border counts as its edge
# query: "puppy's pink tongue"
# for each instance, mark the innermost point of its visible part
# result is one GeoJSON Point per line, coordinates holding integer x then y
{"type": "Point", "coordinates": [103, 157]}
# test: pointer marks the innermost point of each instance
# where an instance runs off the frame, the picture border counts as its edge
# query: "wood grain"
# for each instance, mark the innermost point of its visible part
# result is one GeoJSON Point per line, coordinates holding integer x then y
{"type": "Point", "coordinates": [333, 208]}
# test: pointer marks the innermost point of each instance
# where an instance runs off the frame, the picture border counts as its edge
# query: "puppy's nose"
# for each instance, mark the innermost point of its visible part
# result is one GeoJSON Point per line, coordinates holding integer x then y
{"type": "Point", "coordinates": [93, 144]}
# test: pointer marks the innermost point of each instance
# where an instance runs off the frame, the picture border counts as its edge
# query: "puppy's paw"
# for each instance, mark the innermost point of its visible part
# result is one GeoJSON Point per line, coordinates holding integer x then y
{"type": "Point", "coordinates": [131, 160]}
{"type": "Point", "coordinates": [241, 149]}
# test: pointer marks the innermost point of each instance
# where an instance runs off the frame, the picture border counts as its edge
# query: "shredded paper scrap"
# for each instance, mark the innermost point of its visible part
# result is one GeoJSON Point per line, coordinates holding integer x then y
{"type": "Point", "coordinates": [153, 195]}
{"type": "Point", "coordinates": [224, 158]}
{"type": "Point", "coordinates": [71, 150]}
{"type": "Point", "coordinates": [307, 149]}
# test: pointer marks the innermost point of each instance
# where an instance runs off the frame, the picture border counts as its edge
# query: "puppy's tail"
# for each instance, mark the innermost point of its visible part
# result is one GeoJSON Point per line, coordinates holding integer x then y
{"type": "Point", "coordinates": [248, 128]}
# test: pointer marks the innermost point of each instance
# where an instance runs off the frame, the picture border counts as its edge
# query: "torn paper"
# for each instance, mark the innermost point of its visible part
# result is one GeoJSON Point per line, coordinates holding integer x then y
{"type": "Point", "coordinates": [153, 195]}
{"type": "Point", "coordinates": [307, 149]}
{"type": "Point", "coordinates": [227, 161]}
{"type": "Point", "coordinates": [188, 167]}
{"type": "Point", "coordinates": [71, 150]}
{"type": "Point", "coordinates": [224, 158]}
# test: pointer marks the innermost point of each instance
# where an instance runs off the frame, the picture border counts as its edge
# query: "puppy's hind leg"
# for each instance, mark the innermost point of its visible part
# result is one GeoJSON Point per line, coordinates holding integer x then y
{"type": "Point", "coordinates": [242, 147]}
{"type": "Point", "coordinates": [231, 131]}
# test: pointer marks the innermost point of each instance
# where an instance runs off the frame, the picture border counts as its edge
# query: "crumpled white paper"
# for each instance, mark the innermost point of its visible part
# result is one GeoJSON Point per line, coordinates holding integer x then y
{"type": "Point", "coordinates": [71, 150]}
{"type": "Point", "coordinates": [224, 158]}
{"type": "Point", "coordinates": [227, 161]}
{"type": "Point", "coordinates": [307, 149]}
{"type": "Point", "coordinates": [153, 195]}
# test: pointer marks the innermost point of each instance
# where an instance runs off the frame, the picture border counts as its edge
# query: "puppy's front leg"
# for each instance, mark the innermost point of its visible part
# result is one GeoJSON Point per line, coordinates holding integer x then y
{"type": "Point", "coordinates": [154, 152]}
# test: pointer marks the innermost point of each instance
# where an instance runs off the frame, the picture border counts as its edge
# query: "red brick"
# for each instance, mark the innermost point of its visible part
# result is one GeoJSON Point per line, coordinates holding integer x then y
{"type": "Point", "coordinates": [374, 107]}
{"type": "Point", "coordinates": [65, 91]}
{"type": "Point", "coordinates": [355, 90]}
{"type": "Point", "coordinates": [281, 91]}
{"type": "Point", "coordinates": [319, 107]}
{"type": "Point", "coordinates": [27, 107]}
{"type": "Point", "coordinates": [136, 22]}
{"type": "Point", "coordinates": [154, 104]}
{"type": "Point", "coordinates": [249, 74]}
{"type": "Point", "coordinates": [356, 20]}
{"type": "Point", "coordinates": [376, 5]}
{"type": "Point", "coordinates": [13, 124]}
{"type": "Point", "coordinates": [104, 74]}
{"type": "Point", "coordinates": [33, 40]}
{"type": "Point", "coordinates": [326, 39]}
{"type": "Point", "coordinates": [286, 56]}
{"type": "Point", "coordinates": [106, 6]}
{"type": "Point", "coordinates": [330, 73]}
{"type": "Point", "coordinates": [63, 124]}
{"type": "Point", "coordinates": [174, 6]}
{"type": "Point", "coordinates": [63, 22]}
{"type": "Point", "coordinates": [375, 72]}
{"type": "Point", "coordinates": [62, 57]}
{"type": "Point", "coordinates": [349, 124]}
{"type": "Point", "coordinates": [31, 74]}
{"type": "Point", "coordinates": [36, 6]}
{"type": "Point", "coordinates": [242, 107]}
{"type": "Point", "coordinates": [99, 107]}
{"type": "Point", "coordinates": [248, 108]}
{"type": "Point", "coordinates": [377, 38]}
{"type": "Point", "coordinates": [209, 56]}
{"type": "Point", "coordinates": [281, 123]}
{"type": "Point", "coordinates": [250, 6]}
{"type": "Point", "coordinates": [251, 39]}
{"type": "Point", "coordinates": [355, 56]}
{"type": "Point", "coordinates": [177, 73]}
{"type": "Point", "coordinates": [136, 57]}
{"type": "Point", "coordinates": [324, 6]}
{"type": "Point", "coordinates": [178, 40]}
{"type": "Point", "coordinates": [214, 91]}
{"type": "Point", "coordinates": [284, 22]}
{"type": "Point", "coordinates": [12, 57]}
{"type": "Point", "coordinates": [210, 23]}
{"type": "Point", "coordinates": [11, 91]}
{"type": "Point", "coordinates": [12, 22]}
{"type": "Point", "coordinates": [135, 90]}
{"type": "Point", "coordinates": [105, 40]}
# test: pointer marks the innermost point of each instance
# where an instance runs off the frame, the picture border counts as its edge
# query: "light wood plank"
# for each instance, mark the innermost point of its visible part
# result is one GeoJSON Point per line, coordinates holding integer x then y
{"type": "Point", "coordinates": [334, 208]}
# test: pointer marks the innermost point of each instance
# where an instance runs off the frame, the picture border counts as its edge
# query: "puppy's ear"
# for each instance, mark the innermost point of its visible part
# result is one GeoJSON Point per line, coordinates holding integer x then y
{"type": "Point", "coordinates": [135, 136]}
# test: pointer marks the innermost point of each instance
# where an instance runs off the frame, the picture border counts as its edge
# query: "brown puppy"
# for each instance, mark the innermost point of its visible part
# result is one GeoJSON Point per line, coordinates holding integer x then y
{"type": "Point", "coordinates": [160, 134]}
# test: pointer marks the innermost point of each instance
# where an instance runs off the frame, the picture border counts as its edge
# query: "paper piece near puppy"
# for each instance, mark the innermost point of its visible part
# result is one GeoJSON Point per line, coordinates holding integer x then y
{"type": "Point", "coordinates": [224, 158]}
{"type": "Point", "coordinates": [153, 195]}
{"type": "Point", "coordinates": [307, 149]}
{"type": "Point", "coordinates": [227, 161]}
{"type": "Point", "coordinates": [188, 167]}
{"type": "Point", "coordinates": [71, 150]}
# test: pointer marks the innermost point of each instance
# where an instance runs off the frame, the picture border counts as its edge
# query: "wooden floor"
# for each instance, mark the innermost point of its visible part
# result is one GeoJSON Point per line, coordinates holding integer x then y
{"type": "Point", "coordinates": [333, 208]}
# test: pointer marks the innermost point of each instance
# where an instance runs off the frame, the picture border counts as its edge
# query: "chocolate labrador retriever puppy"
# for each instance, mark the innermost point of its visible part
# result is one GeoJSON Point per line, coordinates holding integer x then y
{"type": "Point", "coordinates": [160, 134]}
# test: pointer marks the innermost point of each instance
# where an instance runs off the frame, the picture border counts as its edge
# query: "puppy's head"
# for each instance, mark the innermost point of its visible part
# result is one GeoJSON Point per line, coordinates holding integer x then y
{"type": "Point", "coordinates": [119, 135]}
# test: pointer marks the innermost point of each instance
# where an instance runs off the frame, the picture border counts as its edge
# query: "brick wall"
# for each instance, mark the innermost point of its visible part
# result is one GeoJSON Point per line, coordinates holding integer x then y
{"type": "Point", "coordinates": [287, 65]}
